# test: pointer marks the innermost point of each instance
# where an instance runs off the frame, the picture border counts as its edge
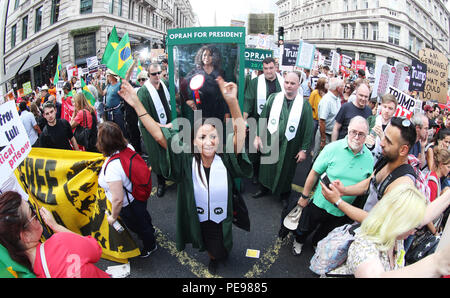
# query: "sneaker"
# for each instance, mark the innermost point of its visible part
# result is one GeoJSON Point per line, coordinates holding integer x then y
{"type": "Point", "coordinates": [146, 253]}
{"type": "Point", "coordinates": [296, 248]}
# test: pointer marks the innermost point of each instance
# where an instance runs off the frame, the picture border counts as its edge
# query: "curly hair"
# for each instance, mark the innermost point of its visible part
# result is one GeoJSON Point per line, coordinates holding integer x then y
{"type": "Point", "coordinates": [216, 57]}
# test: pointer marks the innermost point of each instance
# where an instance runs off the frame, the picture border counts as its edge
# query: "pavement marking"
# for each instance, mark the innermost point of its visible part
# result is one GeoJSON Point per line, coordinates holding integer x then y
{"type": "Point", "coordinates": [197, 268]}
{"type": "Point", "coordinates": [201, 271]}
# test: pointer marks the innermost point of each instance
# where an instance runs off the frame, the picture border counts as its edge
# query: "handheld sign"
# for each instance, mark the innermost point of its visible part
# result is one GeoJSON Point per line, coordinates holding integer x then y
{"type": "Point", "coordinates": [195, 85]}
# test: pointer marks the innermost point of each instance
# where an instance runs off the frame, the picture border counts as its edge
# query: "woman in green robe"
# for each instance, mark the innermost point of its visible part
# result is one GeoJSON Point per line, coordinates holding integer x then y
{"type": "Point", "coordinates": [204, 177]}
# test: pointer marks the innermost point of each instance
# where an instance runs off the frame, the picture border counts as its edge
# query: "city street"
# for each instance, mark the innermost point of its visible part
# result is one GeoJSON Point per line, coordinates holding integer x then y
{"type": "Point", "coordinates": [275, 260]}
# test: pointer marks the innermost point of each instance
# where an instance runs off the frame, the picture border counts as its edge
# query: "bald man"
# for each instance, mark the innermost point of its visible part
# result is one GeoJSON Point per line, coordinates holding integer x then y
{"type": "Point", "coordinates": [350, 110]}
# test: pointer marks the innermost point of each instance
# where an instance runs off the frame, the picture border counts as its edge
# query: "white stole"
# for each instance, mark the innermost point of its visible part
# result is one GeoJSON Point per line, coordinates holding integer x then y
{"type": "Point", "coordinates": [262, 90]}
{"type": "Point", "coordinates": [157, 101]}
{"type": "Point", "coordinates": [211, 200]}
{"type": "Point", "coordinates": [294, 115]}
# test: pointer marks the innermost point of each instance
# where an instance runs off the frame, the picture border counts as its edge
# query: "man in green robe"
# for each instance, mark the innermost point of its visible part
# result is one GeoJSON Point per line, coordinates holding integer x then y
{"type": "Point", "coordinates": [155, 97]}
{"type": "Point", "coordinates": [256, 94]}
{"type": "Point", "coordinates": [290, 132]}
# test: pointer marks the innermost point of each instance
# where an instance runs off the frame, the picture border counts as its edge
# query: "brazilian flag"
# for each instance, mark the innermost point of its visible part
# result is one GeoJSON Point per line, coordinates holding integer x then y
{"type": "Point", "coordinates": [121, 60]}
{"type": "Point", "coordinates": [139, 67]}
{"type": "Point", "coordinates": [58, 71]}
{"type": "Point", "coordinates": [10, 268]}
{"type": "Point", "coordinates": [113, 41]}
{"type": "Point", "coordinates": [87, 93]}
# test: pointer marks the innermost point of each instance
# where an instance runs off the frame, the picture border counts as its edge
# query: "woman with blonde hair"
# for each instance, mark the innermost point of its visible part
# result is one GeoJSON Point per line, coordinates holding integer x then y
{"type": "Point", "coordinates": [377, 250]}
{"type": "Point", "coordinates": [84, 116]}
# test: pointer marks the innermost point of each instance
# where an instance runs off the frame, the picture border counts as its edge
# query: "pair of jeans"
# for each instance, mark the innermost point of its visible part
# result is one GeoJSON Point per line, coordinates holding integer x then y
{"type": "Point", "coordinates": [137, 219]}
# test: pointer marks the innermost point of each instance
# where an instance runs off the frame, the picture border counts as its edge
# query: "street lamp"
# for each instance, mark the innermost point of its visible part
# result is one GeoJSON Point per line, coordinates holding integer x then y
{"type": "Point", "coordinates": [438, 39]}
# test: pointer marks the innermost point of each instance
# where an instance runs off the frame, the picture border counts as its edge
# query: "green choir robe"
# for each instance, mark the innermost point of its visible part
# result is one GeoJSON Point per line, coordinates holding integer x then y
{"type": "Point", "coordinates": [278, 177]}
{"type": "Point", "coordinates": [251, 97]}
{"type": "Point", "coordinates": [152, 147]}
{"type": "Point", "coordinates": [177, 167]}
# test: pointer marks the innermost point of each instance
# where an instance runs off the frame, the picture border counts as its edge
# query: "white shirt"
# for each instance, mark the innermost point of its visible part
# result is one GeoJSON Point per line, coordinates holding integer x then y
{"type": "Point", "coordinates": [115, 173]}
{"type": "Point", "coordinates": [29, 122]}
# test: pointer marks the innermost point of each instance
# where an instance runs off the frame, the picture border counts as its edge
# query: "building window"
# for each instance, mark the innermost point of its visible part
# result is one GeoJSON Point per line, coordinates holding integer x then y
{"type": "Point", "coordinates": [140, 14]}
{"type": "Point", "coordinates": [352, 31]}
{"type": "Point", "coordinates": [38, 20]}
{"type": "Point", "coordinates": [411, 42]}
{"type": "Point", "coordinates": [25, 28]}
{"type": "Point", "coordinates": [111, 6]}
{"type": "Point", "coordinates": [120, 8]}
{"type": "Point", "coordinates": [375, 31]}
{"type": "Point", "coordinates": [85, 6]}
{"type": "Point", "coordinates": [84, 47]}
{"type": "Point", "coordinates": [345, 5]}
{"type": "Point", "coordinates": [55, 12]}
{"type": "Point", "coordinates": [16, 4]}
{"type": "Point", "coordinates": [366, 4]}
{"type": "Point", "coordinates": [344, 31]}
{"type": "Point", "coordinates": [13, 35]}
{"type": "Point", "coordinates": [365, 30]}
{"type": "Point", "coordinates": [394, 34]}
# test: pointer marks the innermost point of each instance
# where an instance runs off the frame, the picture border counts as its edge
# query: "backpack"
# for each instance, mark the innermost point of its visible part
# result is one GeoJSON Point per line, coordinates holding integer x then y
{"type": "Point", "coordinates": [331, 251]}
{"type": "Point", "coordinates": [137, 171]}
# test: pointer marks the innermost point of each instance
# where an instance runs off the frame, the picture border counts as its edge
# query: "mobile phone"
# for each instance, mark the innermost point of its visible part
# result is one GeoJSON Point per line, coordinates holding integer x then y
{"type": "Point", "coordinates": [325, 180]}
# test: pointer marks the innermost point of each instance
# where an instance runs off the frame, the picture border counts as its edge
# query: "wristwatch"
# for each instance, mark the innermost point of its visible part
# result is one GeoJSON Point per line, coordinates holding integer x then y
{"type": "Point", "coordinates": [303, 196]}
{"type": "Point", "coordinates": [338, 203]}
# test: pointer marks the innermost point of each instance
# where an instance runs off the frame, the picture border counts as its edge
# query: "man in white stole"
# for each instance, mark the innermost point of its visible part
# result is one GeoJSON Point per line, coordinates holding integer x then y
{"type": "Point", "coordinates": [289, 130]}
{"type": "Point", "coordinates": [256, 95]}
{"type": "Point", "coordinates": [155, 97]}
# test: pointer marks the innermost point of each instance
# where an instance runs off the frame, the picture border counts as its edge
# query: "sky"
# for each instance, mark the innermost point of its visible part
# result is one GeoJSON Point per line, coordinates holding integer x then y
{"type": "Point", "coordinates": [227, 10]}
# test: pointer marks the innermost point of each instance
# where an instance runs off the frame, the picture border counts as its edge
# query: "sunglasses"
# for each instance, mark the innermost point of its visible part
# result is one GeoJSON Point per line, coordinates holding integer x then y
{"type": "Point", "coordinates": [33, 215]}
{"type": "Point", "coordinates": [156, 73]}
{"type": "Point", "coordinates": [142, 80]}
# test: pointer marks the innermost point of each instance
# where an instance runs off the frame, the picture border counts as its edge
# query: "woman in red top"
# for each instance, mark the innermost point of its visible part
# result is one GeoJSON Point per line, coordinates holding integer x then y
{"type": "Point", "coordinates": [84, 115]}
{"type": "Point", "coordinates": [67, 255]}
{"type": "Point", "coordinates": [440, 169]}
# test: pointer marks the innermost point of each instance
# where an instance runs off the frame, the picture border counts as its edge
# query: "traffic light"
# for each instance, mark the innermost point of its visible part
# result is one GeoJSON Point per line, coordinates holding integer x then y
{"type": "Point", "coordinates": [280, 36]}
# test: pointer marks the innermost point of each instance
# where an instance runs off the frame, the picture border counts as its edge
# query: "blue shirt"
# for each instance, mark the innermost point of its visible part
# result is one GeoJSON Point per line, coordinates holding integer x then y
{"type": "Point", "coordinates": [113, 99]}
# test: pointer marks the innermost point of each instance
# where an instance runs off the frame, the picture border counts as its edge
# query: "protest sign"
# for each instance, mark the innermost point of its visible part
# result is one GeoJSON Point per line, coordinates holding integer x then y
{"type": "Point", "coordinates": [418, 76]}
{"type": "Point", "coordinates": [92, 62]}
{"type": "Point", "coordinates": [401, 78]}
{"type": "Point", "coordinates": [27, 88]}
{"type": "Point", "coordinates": [407, 105]}
{"type": "Point", "coordinates": [185, 44]}
{"type": "Point", "coordinates": [14, 142]}
{"type": "Point", "coordinates": [305, 55]}
{"type": "Point", "coordinates": [66, 184]}
{"type": "Point", "coordinates": [255, 57]}
{"type": "Point", "coordinates": [290, 53]}
{"type": "Point", "coordinates": [436, 85]}
{"type": "Point", "coordinates": [384, 77]}
{"type": "Point", "coordinates": [335, 61]}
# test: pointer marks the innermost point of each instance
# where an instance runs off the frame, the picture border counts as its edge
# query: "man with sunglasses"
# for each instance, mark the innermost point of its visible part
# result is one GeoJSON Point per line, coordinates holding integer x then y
{"type": "Point", "coordinates": [154, 95]}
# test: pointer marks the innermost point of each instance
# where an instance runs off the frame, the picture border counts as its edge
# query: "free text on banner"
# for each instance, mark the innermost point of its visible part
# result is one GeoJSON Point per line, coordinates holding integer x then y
{"type": "Point", "coordinates": [66, 184]}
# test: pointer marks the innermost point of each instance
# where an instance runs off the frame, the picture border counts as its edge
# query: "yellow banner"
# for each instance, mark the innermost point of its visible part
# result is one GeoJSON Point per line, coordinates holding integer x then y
{"type": "Point", "coordinates": [66, 184]}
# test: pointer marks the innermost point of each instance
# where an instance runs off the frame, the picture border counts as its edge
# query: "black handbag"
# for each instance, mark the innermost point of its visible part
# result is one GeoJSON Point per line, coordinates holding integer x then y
{"type": "Point", "coordinates": [423, 245]}
{"type": "Point", "coordinates": [240, 211]}
{"type": "Point", "coordinates": [85, 136]}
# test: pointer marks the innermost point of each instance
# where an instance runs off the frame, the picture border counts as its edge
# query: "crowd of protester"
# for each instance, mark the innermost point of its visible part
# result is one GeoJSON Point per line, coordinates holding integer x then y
{"type": "Point", "coordinates": [366, 153]}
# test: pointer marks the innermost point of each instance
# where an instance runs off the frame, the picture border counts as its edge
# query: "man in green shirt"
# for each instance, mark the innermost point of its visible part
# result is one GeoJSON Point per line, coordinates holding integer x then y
{"type": "Point", "coordinates": [347, 160]}
{"type": "Point", "coordinates": [288, 136]}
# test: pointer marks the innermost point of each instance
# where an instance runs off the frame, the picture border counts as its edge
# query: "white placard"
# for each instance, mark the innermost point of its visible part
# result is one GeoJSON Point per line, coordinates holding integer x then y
{"type": "Point", "coordinates": [306, 54]}
{"type": "Point", "coordinates": [14, 142]}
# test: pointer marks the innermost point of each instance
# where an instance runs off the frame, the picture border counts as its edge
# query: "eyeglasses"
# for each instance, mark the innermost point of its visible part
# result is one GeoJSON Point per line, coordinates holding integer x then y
{"type": "Point", "coordinates": [156, 73]}
{"type": "Point", "coordinates": [33, 213]}
{"type": "Point", "coordinates": [354, 133]}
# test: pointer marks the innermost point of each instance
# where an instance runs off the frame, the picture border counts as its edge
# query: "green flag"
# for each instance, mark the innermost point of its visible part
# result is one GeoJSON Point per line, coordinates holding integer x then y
{"type": "Point", "coordinates": [113, 41]}
{"type": "Point", "coordinates": [58, 71]}
{"type": "Point", "coordinates": [139, 67]}
{"type": "Point", "coordinates": [121, 60]}
{"type": "Point", "coordinates": [87, 93]}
